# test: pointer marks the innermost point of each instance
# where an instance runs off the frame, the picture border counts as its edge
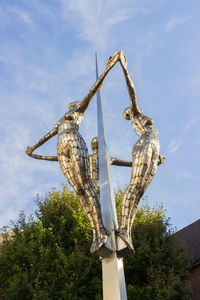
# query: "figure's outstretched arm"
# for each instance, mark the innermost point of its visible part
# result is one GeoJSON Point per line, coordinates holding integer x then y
{"type": "Point", "coordinates": [43, 140]}
{"type": "Point", "coordinates": [120, 162]}
{"type": "Point", "coordinates": [51, 158]}
{"type": "Point", "coordinates": [124, 163]}
{"type": "Point", "coordinates": [131, 88]}
{"type": "Point", "coordinates": [97, 85]}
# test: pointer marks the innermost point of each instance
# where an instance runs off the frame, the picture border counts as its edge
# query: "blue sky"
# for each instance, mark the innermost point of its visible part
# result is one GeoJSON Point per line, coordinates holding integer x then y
{"type": "Point", "coordinates": [47, 60]}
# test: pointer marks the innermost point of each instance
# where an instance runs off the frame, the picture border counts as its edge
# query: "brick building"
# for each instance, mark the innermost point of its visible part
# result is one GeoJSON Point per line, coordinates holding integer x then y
{"type": "Point", "coordinates": [190, 236]}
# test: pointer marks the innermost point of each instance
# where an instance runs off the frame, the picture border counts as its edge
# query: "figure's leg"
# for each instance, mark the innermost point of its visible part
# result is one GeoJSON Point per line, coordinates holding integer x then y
{"type": "Point", "coordinates": [75, 166]}
{"type": "Point", "coordinates": [123, 232]}
{"type": "Point", "coordinates": [89, 189]}
{"type": "Point", "coordinates": [91, 202]}
{"type": "Point", "coordinates": [145, 183]}
{"type": "Point", "coordinates": [139, 169]}
{"type": "Point", "coordinates": [133, 194]}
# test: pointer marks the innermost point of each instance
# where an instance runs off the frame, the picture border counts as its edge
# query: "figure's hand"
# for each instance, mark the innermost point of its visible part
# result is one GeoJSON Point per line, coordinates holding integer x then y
{"type": "Point", "coordinates": [29, 150]}
{"type": "Point", "coordinates": [161, 159]}
{"type": "Point", "coordinates": [111, 160]}
{"type": "Point", "coordinates": [122, 59]}
{"type": "Point", "coordinates": [112, 60]}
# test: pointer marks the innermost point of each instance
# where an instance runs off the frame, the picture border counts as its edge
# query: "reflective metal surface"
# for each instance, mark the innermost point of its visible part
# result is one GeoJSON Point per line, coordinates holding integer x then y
{"type": "Point", "coordinates": [114, 286]}
{"type": "Point", "coordinates": [89, 175]}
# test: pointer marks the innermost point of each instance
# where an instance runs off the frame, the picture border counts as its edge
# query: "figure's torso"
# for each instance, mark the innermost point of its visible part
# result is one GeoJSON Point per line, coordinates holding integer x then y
{"type": "Point", "coordinates": [148, 139]}
{"type": "Point", "coordinates": [68, 134]}
{"type": "Point", "coordinates": [70, 122]}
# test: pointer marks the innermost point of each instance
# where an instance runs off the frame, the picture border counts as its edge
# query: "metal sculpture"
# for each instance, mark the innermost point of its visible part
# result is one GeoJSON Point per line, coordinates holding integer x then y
{"type": "Point", "coordinates": [82, 171]}
{"type": "Point", "coordinates": [89, 176]}
{"type": "Point", "coordinates": [146, 158]}
{"type": "Point", "coordinates": [73, 158]}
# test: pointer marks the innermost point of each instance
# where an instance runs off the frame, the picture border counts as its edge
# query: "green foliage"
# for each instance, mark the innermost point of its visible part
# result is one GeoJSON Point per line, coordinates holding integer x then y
{"type": "Point", "coordinates": [159, 270]}
{"type": "Point", "coordinates": [47, 256]}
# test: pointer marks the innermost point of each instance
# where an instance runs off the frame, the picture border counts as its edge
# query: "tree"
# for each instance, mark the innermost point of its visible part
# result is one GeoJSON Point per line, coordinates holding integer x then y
{"type": "Point", "coordinates": [47, 256]}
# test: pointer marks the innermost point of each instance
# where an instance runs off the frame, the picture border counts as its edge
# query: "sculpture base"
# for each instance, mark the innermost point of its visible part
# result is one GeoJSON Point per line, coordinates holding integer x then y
{"type": "Point", "coordinates": [104, 252]}
{"type": "Point", "coordinates": [107, 249]}
{"type": "Point", "coordinates": [124, 249]}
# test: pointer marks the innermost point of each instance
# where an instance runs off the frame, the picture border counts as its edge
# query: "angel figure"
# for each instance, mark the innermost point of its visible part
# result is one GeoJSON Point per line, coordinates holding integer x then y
{"type": "Point", "coordinates": [146, 157]}
{"type": "Point", "coordinates": [72, 154]}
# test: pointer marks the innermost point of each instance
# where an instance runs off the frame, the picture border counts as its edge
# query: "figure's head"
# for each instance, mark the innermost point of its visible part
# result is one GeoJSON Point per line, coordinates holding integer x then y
{"type": "Point", "coordinates": [140, 122]}
{"type": "Point", "coordinates": [74, 105]}
{"type": "Point", "coordinates": [94, 145]}
{"type": "Point", "coordinates": [126, 113]}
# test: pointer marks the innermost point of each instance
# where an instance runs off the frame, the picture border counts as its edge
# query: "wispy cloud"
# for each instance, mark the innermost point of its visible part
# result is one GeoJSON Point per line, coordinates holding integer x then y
{"type": "Point", "coordinates": [80, 64]}
{"type": "Point", "coordinates": [13, 14]}
{"type": "Point", "coordinates": [188, 175]}
{"type": "Point", "coordinates": [174, 145]}
{"type": "Point", "coordinates": [188, 125]}
{"type": "Point", "coordinates": [175, 21]}
{"type": "Point", "coordinates": [94, 20]}
{"type": "Point", "coordinates": [22, 16]}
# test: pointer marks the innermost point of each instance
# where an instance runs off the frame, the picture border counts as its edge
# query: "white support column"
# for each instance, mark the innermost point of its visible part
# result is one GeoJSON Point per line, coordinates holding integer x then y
{"type": "Point", "coordinates": [114, 286]}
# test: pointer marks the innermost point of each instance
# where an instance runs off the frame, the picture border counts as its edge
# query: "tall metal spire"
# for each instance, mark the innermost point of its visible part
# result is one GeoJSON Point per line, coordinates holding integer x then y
{"type": "Point", "coordinates": [107, 192]}
{"type": "Point", "coordinates": [112, 267]}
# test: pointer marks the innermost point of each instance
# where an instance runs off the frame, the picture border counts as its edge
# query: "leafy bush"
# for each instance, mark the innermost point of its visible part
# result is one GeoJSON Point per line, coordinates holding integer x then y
{"type": "Point", "coordinates": [47, 256]}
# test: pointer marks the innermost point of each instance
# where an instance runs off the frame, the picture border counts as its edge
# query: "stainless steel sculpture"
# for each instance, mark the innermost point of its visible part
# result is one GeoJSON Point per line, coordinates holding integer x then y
{"type": "Point", "coordinates": [146, 157]}
{"type": "Point", "coordinates": [89, 176]}
{"type": "Point", "coordinates": [73, 158]}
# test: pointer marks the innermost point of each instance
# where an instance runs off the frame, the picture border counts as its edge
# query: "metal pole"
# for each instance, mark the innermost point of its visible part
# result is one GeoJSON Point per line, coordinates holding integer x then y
{"type": "Point", "coordinates": [114, 287]}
